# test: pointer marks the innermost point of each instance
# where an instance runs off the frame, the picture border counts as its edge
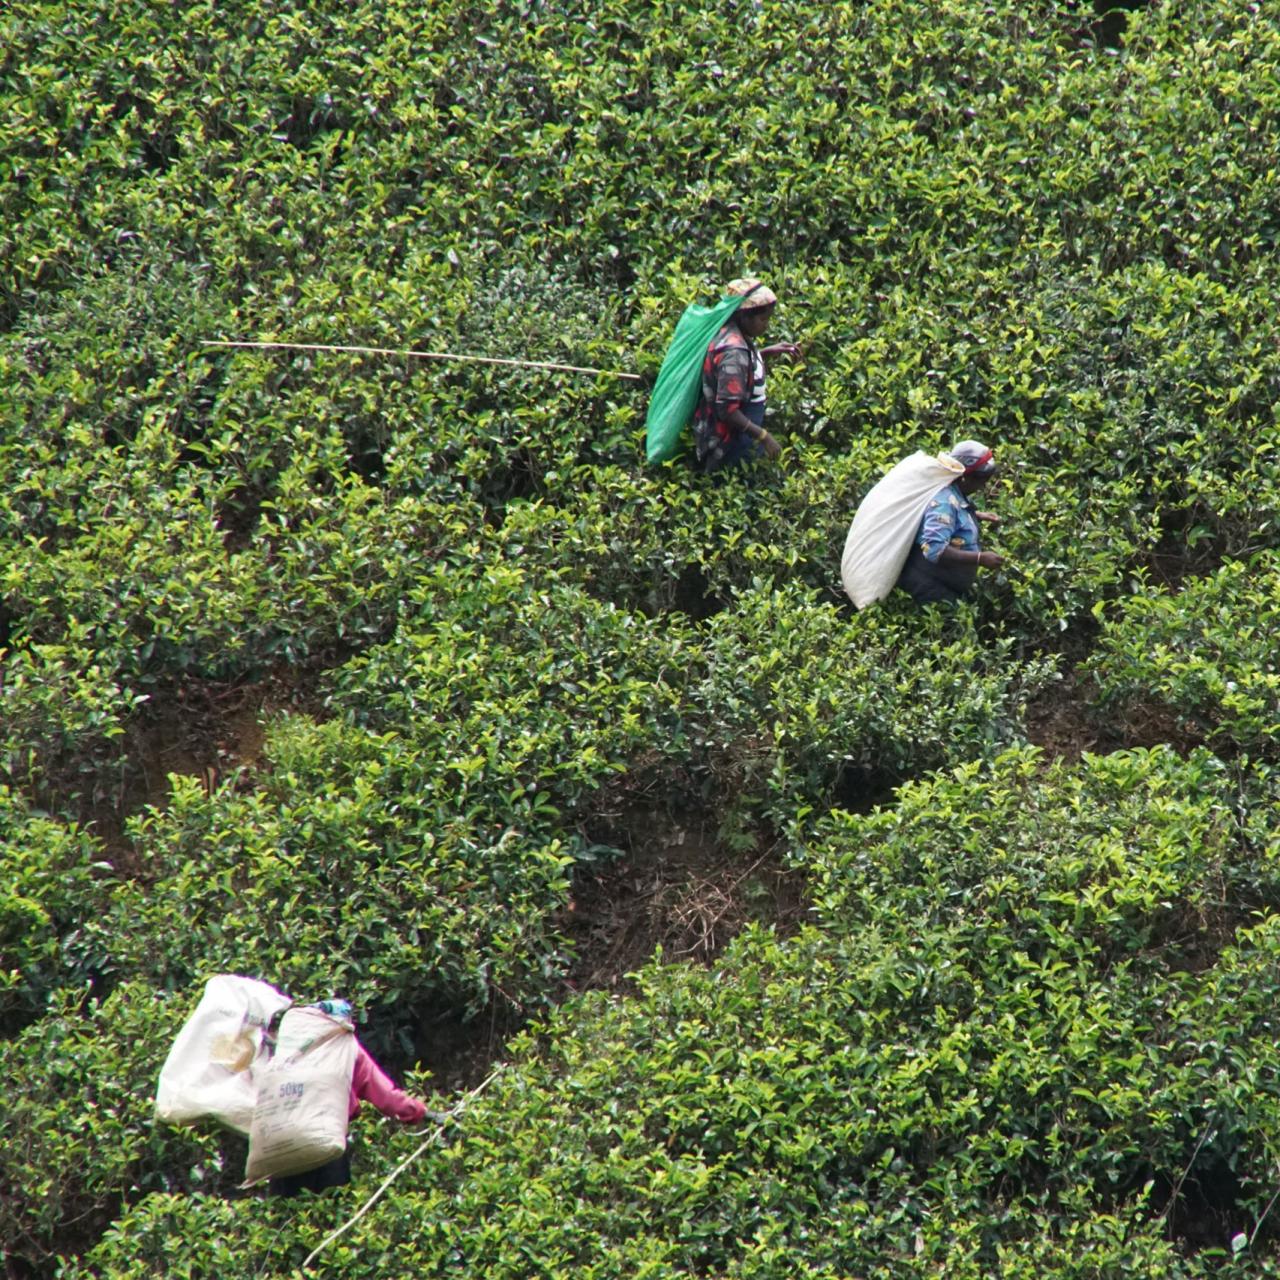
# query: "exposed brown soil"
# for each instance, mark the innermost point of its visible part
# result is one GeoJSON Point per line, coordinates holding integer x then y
{"type": "Point", "coordinates": [1060, 720]}
{"type": "Point", "coordinates": [202, 734]}
{"type": "Point", "coordinates": [678, 885]}
{"type": "Point", "coordinates": [1152, 724]}
{"type": "Point", "coordinates": [201, 729]}
{"type": "Point", "coordinates": [1065, 723]}
{"type": "Point", "coordinates": [675, 885]}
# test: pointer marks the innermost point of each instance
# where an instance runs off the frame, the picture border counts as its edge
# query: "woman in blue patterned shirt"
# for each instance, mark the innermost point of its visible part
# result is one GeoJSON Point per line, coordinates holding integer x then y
{"type": "Point", "coordinates": [947, 553]}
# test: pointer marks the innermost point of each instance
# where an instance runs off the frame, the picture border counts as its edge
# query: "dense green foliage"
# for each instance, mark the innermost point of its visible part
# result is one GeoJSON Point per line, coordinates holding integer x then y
{"type": "Point", "coordinates": [1174, 647]}
{"type": "Point", "coordinates": [1028, 1028]}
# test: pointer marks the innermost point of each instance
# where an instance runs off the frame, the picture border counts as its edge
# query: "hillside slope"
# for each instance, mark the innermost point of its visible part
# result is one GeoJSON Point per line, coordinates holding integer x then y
{"type": "Point", "coordinates": [803, 942]}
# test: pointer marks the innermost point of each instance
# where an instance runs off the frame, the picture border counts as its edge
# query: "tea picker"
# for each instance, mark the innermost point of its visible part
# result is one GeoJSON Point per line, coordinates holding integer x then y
{"type": "Point", "coordinates": [918, 529]}
{"type": "Point", "coordinates": [293, 1094]}
{"type": "Point", "coordinates": [317, 1079]}
{"type": "Point", "coordinates": [714, 373]}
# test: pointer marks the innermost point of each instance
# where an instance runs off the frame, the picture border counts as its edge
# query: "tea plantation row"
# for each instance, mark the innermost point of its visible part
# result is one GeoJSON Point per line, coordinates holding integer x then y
{"type": "Point", "coordinates": [1028, 1028]}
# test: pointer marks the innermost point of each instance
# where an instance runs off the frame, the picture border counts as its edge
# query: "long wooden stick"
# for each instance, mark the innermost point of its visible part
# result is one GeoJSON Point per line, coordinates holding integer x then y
{"type": "Point", "coordinates": [434, 1136]}
{"type": "Point", "coordinates": [422, 355]}
{"type": "Point", "coordinates": [1208, 1129]}
{"type": "Point", "coordinates": [1257, 1226]}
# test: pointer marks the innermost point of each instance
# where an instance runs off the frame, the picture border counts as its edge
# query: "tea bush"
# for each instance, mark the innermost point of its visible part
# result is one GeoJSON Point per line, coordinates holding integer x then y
{"type": "Point", "coordinates": [352, 888]}
{"type": "Point", "coordinates": [64, 719]}
{"type": "Point", "coordinates": [1205, 652]}
{"type": "Point", "coordinates": [148, 582]}
{"type": "Point", "coordinates": [81, 1140]}
{"type": "Point", "coordinates": [53, 882]}
{"type": "Point", "coordinates": [796, 692]}
{"type": "Point", "coordinates": [1160, 824]}
{"type": "Point", "coordinates": [418, 845]}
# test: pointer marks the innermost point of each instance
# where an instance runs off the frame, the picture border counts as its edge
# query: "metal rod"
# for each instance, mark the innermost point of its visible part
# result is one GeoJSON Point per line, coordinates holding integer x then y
{"type": "Point", "coordinates": [421, 355]}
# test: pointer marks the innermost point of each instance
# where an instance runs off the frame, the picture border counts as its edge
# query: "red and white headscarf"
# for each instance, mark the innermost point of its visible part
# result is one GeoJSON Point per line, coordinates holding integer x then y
{"type": "Point", "coordinates": [974, 457]}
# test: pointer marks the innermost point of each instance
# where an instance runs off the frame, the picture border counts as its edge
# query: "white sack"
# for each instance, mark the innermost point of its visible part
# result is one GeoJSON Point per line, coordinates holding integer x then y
{"type": "Point", "coordinates": [210, 1069]}
{"type": "Point", "coordinates": [300, 1120]}
{"type": "Point", "coordinates": [885, 524]}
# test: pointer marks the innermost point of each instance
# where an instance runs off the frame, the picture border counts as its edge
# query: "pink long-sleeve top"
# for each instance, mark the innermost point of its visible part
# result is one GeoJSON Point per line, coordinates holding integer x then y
{"type": "Point", "coordinates": [369, 1083]}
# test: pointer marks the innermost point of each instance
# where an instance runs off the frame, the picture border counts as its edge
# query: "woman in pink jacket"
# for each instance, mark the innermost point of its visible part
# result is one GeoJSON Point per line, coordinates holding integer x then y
{"type": "Point", "coordinates": [369, 1083]}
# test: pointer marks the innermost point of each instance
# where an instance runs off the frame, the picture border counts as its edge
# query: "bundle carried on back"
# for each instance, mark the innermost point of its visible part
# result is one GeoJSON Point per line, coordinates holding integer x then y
{"type": "Point", "coordinates": [212, 1068]}
{"type": "Point", "coordinates": [300, 1119]}
{"type": "Point", "coordinates": [675, 394]}
{"type": "Point", "coordinates": [880, 536]}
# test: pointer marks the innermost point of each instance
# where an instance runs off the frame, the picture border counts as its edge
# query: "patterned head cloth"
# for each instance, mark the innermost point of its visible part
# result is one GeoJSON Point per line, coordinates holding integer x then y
{"type": "Point", "coordinates": [335, 1008]}
{"type": "Point", "coordinates": [752, 292]}
{"type": "Point", "coordinates": [975, 457]}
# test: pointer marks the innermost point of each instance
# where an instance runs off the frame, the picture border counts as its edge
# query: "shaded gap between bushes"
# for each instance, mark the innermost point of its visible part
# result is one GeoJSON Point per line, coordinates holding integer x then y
{"type": "Point", "coordinates": [1204, 1210]}
{"type": "Point", "coordinates": [1064, 723]}
{"type": "Point", "coordinates": [680, 882]}
{"type": "Point", "coordinates": [667, 877]}
{"type": "Point", "coordinates": [205, 729]}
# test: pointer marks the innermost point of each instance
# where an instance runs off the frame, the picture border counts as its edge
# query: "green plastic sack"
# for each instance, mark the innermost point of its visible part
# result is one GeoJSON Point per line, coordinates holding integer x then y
{"type": "Point", "coordinates": [675, 394]}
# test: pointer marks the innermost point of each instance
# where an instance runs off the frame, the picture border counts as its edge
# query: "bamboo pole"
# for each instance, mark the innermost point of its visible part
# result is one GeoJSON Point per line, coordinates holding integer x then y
{"type": "Point", "coordinates": [434, 1136]}
{"type": "Point", "coordinates": [421, 355]}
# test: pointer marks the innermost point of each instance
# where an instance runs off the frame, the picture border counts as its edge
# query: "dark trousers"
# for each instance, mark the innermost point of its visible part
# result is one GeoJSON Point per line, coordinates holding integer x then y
{"type": "Point", "coordinates": [742, 448]}
{"type": "Point", "coordinates": [337, 1173]}
{"type": "Point", "coordinates": [929, 583]}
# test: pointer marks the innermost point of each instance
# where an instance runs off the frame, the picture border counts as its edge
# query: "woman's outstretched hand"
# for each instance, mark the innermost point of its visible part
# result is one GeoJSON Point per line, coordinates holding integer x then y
{"type": "Point", "coordinates": [788, 349]}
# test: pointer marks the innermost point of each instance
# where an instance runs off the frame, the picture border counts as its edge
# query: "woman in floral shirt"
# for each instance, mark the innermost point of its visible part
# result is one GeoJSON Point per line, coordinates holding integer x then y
{"type": "Point", "coordinates": [728, 423]}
